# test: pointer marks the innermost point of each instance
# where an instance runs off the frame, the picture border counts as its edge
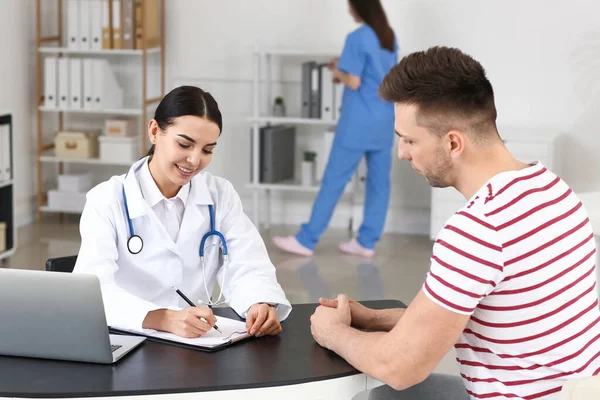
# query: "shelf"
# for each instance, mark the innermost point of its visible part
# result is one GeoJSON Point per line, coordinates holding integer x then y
{"type": "Point", "coordinates": [6, 183]}
{"type": "Point", "coordinates": [287, 120]}
{"type": "Point", "coordinates": [54, 210]}
{"type": "Point", "coordinates": [292, 186]}
{"type": "Point", "coordinates": [114, 111]}
{"type": "Point", "coordinates": [97, 161]}
{"type": "Point", "coordinates": [116, 52]}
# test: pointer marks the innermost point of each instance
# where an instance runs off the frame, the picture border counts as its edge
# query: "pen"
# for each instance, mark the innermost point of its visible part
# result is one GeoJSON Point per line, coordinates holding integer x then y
{"type": "Point", "coordinates": [184, 297]}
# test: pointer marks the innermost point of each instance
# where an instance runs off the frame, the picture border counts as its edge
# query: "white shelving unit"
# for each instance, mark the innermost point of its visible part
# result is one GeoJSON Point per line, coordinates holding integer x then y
{"type": "Point", "coordinates": [262, 69]}
{"type": "Point", "coordinates": [7, 193]}
{"type": "Point", "coordinates": [137, 104]}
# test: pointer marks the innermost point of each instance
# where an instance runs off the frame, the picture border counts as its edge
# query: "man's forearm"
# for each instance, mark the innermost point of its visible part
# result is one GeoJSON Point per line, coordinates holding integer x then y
{"type": "Point", "coordinates": [386, 320]}
{"type": "Point", "coordinates": [366, 352]}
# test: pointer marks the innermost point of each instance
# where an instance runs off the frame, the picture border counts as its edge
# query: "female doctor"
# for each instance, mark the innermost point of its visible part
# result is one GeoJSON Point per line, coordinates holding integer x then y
{"type": "Point", "coordinates": [166, 224]}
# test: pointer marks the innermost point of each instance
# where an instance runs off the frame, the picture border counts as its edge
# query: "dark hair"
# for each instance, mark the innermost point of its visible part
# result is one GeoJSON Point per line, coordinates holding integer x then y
{"type": "Point", "coordinates": [371, 12]}
{"type": "Point", "coordinates": [448, 87]}
{"type": "Point", "coordinates": [186, 100]}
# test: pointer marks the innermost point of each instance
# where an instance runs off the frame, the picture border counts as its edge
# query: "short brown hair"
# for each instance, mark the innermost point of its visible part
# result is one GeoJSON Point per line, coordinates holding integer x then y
{"type": "Point", "coordinates": [449, 88]}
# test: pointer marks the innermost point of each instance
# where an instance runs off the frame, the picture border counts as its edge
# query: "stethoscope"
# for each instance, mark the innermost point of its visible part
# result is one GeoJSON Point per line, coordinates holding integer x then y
{"type": "Point", "coordinates": [135, 244]}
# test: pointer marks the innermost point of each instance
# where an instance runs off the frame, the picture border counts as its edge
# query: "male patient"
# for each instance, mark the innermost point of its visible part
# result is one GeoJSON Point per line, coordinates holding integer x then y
{"type": "Point", "coordinates": [512, 279]}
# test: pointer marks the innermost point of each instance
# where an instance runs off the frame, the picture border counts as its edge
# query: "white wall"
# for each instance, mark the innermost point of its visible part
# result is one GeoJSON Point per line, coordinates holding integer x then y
{"type": "Point", "coordinates": [17, 94]}
{"type": "Point", "coordinates": [543, 58]}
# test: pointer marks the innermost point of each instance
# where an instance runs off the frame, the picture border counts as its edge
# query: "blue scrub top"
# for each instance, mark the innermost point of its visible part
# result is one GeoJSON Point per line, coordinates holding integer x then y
{"type": "Point", "coordinates": [366, 121]}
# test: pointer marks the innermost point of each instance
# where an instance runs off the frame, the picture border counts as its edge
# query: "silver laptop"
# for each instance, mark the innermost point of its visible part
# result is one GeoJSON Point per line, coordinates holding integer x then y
{"type": "Point", "coordinates": [57, 315]}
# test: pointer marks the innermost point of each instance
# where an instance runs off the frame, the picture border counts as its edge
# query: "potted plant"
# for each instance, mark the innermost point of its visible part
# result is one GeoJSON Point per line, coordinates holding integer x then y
{"type": "Point", "coordinates": [279, 107]}
{"type": "Point", "coordinates": [308, 168]}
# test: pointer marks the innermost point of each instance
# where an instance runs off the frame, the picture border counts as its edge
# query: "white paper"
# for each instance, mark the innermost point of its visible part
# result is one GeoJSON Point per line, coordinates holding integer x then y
{"type": "Point", "coordinates": [230, 328]}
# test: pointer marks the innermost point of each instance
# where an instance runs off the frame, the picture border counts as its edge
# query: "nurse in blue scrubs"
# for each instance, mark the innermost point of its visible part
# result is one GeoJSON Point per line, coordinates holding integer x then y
{"type": "Point", "coordinates": [365, 129]}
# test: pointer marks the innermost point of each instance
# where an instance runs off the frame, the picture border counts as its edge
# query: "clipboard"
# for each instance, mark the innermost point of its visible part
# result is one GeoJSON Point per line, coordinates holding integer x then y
{"type": "Point", "coordinates": [208, 349]}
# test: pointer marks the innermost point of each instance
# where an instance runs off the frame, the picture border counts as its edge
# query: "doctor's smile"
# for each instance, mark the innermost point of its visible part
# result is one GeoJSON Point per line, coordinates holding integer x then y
{"type": "Point", "coordinates": [167, 223]}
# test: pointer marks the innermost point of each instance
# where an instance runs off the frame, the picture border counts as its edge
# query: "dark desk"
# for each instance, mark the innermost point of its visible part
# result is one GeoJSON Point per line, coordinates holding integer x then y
{"type": "Point", "coordinates": [280, 366]}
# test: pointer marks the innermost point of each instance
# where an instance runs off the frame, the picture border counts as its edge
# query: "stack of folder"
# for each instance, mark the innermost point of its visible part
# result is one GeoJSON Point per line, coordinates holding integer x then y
{"type": "Point", "coordinates": [321, 98]}
{"type": "Point", "coordinates": [89, 24]}
{"type": "Point", "coordinates": [80, 83]}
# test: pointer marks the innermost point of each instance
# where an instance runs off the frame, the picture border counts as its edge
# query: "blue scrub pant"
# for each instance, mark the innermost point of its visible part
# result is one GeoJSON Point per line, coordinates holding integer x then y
{"type": "Point", "coordinates": [340, 168]}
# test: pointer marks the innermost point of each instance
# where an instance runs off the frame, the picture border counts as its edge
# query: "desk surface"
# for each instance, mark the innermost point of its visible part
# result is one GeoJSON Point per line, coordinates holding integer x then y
{"type": "Point", "coordinates": [290, 358]}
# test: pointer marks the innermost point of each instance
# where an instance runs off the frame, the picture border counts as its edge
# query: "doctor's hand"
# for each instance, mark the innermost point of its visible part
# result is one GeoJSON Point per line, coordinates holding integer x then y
{"type": "Point", "coordinates": [361, 317]}
{"type": "Point", "coordinates": [325, 319]}
{"type": "Point", "coordinates": [262, 320]}
{"type": "Point", "coordinates": [190, 322]}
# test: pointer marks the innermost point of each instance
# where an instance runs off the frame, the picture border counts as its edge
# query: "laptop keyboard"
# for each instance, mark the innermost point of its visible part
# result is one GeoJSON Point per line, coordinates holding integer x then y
{"type": "Point", "coordinates": [115, 347]}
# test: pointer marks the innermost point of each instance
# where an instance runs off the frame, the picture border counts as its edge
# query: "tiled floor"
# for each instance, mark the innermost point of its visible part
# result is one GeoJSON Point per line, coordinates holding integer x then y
{"type": "Point", "coordinates": [396, 272]}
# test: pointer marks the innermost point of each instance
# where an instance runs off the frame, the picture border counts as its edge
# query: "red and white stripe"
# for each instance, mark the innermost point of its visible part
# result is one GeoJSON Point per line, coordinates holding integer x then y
{"type": "Point", "coordinates": [520, 259]}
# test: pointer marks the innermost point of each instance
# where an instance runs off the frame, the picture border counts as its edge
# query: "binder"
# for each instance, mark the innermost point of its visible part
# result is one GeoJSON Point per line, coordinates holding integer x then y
{"type": "Point", "coordinates": [327, 93]}
{"type": "Point", "coordinates": [5, 157]}
{"type": "Point", "coordinates": [105, 88]}
{"type": "Point", "coordinates": [2, 156]}
{"type": "Point", "coordinates": [315, 91]}
{"type": "Point", "coordinates": [97, 83]}
{"type": "Point", "coordinates": [63, 83]}
{"type": "Point", "coordinates": [339, 94]}
{"type": "Point", "coordinates": [127, 24]}
{"type": "Point", "coordinates": [306, 88]}
{"type": "Point", "coordinates": [75, 89]}
{"type": "Point", "coordinates": [116, 27]}
{"type": "Point", "coordinates": [150, 23]}
{"type": "Point", "coordinates": [73, 24]}
{"type": "Point", "coordinates": [88, 84]}
{"type": "Point", "coordinates": [105, 24]}
{"type": "Point", "coordinates": [323, 153]}
{"type": "Point", "coordinates": [96, 17]}
{"type": "Point", "coordinates": [50, 82]}
{"type": "Point", "coordinates": [85, 28]}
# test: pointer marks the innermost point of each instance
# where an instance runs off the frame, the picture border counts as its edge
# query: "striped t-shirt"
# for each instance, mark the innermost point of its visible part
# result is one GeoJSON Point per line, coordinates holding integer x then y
{"type": "Point", "coordinates": [519, 258]}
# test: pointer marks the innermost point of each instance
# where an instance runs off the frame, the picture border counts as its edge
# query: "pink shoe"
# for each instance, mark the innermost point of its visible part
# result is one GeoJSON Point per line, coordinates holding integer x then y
{"type": "Point", "coordinates": [354, 248]}
{"type": "Point", "coordinates": [291, 245]}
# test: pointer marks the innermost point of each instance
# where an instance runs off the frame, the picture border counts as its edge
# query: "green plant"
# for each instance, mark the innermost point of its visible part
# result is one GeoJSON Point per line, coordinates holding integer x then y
{"type": "Point", "coordinates": [279, 100]}
{"type": "Point", "coordinates": [310, 156]}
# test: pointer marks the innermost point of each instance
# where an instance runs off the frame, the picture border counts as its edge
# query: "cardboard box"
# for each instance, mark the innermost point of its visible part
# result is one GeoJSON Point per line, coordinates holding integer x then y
{"type": "Point", "coordinates": [76, 144]}
{"type": "Point", "coordinates": [121, 128]}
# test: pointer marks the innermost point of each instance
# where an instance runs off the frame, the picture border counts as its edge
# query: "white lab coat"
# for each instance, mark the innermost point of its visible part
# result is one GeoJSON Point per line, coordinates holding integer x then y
{"type": "Point", "coordinates": [134, 284]}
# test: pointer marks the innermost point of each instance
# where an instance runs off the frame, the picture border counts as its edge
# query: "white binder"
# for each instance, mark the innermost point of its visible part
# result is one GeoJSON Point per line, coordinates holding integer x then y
{"type": "Point", "coordinates": [73, 24]}
{"type": "Point", "coordinates": [2, 178]}
{"type": "Point", "coordinates": [97, 83]}
{"type": "Point", "coordinates": [50, 82]}
{"type": "Point", "coordinates": [75, 89]}
{"type": "Point", "coordinates": [323, 154]}
{"type": "Point", "coordinates": [63, 83]}
{"type": "Point", "coordinates": [337, 102]}
{"type": "Point", "coordinates": [327, 93]}
{"type": "Point", "coordinates": [6, 172]}
{"type": "Point", "coordinates": [116, 24]}
{"type": "Point", "coordinates": [85, 29]}
{"type": "Point", "coordinates": [105, 87]}
{"type": "Point", "coordinates": [88, 84]}
{"type": "Point", "coordinates": [96, 24]}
